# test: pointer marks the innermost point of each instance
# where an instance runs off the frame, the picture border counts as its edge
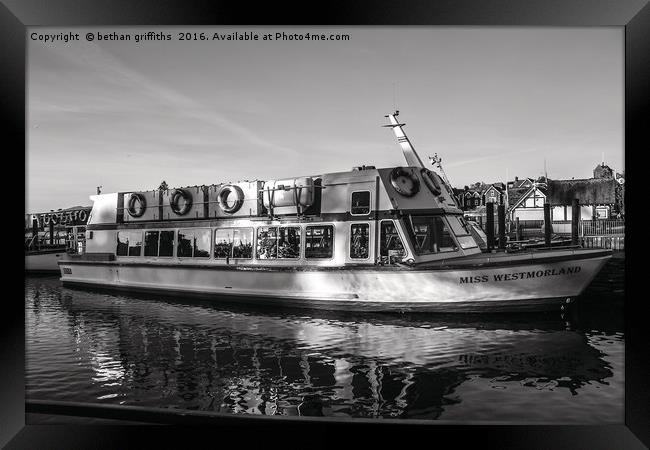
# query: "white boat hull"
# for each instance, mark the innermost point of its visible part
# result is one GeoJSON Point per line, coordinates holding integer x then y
{"type": "Point", "coordinates": [492, 286]}
{"type": "Point", "coordinates": [43, 262]}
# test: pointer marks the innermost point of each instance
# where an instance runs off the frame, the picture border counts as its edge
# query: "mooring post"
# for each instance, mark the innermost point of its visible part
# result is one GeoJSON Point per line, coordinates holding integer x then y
{"type": "Point", "coordinates": [517, 229]}
{"type": "Point", "coordinates": [489, 226]}
{"type": "Point", "coordinates": [547, 224]}
{"type": "Point", "coordinates": [575, 220]}
{"type": "Point", "coordinates": [51, 231]}
{"type": "Point", "coordinates": [501, 210]}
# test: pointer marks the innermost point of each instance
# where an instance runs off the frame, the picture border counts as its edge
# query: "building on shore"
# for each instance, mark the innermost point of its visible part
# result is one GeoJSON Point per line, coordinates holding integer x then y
{"type": "Point", "coordinates": [479, 194]}
{"type": "Point", "coordinates": [526, 199]}
{"type": "Point", "coordinates": [600, 197]}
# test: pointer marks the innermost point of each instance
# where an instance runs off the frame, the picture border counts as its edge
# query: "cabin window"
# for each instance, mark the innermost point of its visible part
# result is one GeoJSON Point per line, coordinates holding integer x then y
{"type": "Point", "coordinates": [430, 234]}
{"type": "Point", "coordinates": [223, 243]}
{"type": "Point", "coordinates": [359, 240]}
{"type": "Point", "coordinates": [267, 243]}
{"type": "Point", "coordinates": [233, 243]}
{"type": "Point", "coordinates": [289, 242]}
{"type": "Point", "coordinates": [461, 229]}
{"type": "Point", "coordinates": [278, 242]}
{"type": "Point", "coordinates": [129, 243]}
{"type": "Point", "coordinates": [391, 244]}
{"type": "Point", "coordinates": [319, 241]}
{"type": "Point", "coordinates": [242, 243]}
{"type": "Point", "coordinates": [166, 247]}
{"type": "Point", "coordinates": [458, 225]}
{"type": "Point", "coordinates": [151, 243]}
{"type": "Point", "coordinates": [159, 243]}
{"type": "Point", "coordinates": [193, 243]}
{"type": "Point", "coordinates": [360, 204]}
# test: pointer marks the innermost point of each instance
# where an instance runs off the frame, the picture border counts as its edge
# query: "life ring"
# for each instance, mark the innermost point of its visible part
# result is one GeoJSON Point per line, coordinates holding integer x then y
{"type": "Point", "coordinates": [54, 219]}
{"type": "Point", "coordinates": [173, 201]}
{"type": "Point", "coordinates": [46, 219]}
{"type": "Point", "coordinates": [224, 193]}
{"type": "Point", "coordinates": [131, 207]}
{"type": "Point", "coordinates": [82, 216]}
{"type": "Point", "coordinates": [431, 182]}
{"type": "Point", "coordinates": [404, 182]}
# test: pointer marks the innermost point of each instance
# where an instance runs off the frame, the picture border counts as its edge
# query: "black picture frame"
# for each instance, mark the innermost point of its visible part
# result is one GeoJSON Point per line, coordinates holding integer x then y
{"type": "Point", "coordinates": [633, 15]}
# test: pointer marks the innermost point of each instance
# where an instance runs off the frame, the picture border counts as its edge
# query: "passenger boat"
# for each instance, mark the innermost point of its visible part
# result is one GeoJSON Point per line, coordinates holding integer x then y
{"type": "Point", "coordinates": [50, 235]}
{"type": "Point", "coordinates": [367, 239]}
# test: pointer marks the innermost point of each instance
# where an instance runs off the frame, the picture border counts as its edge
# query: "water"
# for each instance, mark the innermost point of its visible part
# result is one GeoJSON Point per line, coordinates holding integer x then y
{"type": "Point", "coordinates": [147, 351]}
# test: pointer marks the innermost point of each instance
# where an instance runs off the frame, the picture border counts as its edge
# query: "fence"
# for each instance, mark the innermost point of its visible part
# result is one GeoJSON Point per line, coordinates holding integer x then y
{"type": "Point", "coordinates": [602, 227]}
{"type": "Point", "coordinates": [595, 233]}
{"type": "Point", "coordinates": [591, 227]}
{"type": "Point", "coordinates": [611, 242]}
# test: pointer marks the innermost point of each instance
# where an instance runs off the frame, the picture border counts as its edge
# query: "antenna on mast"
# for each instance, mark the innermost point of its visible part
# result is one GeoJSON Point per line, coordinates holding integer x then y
{"type": "Point", "coordinates": [394, 98]}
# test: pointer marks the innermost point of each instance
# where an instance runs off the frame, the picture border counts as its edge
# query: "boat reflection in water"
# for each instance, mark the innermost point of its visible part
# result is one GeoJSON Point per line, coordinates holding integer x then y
{"type": "Point", "coordinates": [140, 350]}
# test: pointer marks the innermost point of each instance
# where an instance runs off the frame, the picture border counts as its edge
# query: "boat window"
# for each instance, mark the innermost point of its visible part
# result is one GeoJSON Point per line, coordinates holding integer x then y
{"type": "Point", "coordinates": [193, 243]}
{"type": "Point", "coordinates": [242, 243]}
{"type": "Point", "coordinates": [360, 204]}
{"type": "Point", "coordinates": [460, 227]}
{"type": "Point", "coordinates": [430, 234]}
{"type": "Point", "coordinates": [166, 243]}
{"type": "Point", "coordinates": [391, 243]}
{"type": "Point", "coordinates": [129, 243]}
{"type": "Point", "coordinates": [278, 242]}
{"type": "Point", "coordinates": [223, 243]}
{"type": "Point", "coordinates": [151, 243]}
{"type": "Point", "coordinates": [289, 242]}
{"type": "Point", "coordinates": [267, 243]}
{"type": "Point", "coordinates": [233, 243]}
{"type": "Point", "coordinates": [319, 241]}
{"type": "Point", "coordinates": [159, 243]}
{"type": "Point", "coordinates": [359, 239]}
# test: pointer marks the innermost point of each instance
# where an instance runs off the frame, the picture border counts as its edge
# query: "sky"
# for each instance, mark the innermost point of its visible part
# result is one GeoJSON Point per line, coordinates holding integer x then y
{"type": "Point", "coordinates": [493, 102]}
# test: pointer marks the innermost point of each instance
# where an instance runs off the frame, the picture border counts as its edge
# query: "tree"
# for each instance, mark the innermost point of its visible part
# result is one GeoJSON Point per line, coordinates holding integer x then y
{"type": "Point", "coordinates": [163, 186]}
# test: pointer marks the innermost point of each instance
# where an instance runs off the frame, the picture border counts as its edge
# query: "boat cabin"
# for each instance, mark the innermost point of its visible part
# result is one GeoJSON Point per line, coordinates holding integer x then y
{"type": "Point", "coordinates": [366, 216]}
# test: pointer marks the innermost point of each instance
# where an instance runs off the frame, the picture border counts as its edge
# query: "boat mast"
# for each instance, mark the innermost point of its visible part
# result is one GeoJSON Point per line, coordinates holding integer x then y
{"type": "Point", "coordinates": [412, 158]}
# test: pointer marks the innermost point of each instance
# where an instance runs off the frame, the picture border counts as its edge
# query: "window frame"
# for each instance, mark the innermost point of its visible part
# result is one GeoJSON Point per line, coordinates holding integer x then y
{"type": "Point", "coordinates": [159, 231]}
{"type": "Point", "coordinates": [128, 230]}
{"type": "Point", "coordinates": [300, 249]}
{"type": "Point", "coordinates": [450, 230]}
{"type": "Point", "coordinates": [257, 246]}
{"type": "Point", "coordinates": [349, 255]}
{"type": "Point", "coordinates": [177, 242]}
{"type": "Point", "coordinates": [144, 244]}
{"type": "Point", "coordinates": [369, 203]}
{"type": "Point", "coordinates": [324, 224]}
{"type": "Point", "coordinates": [605, 209]}
{"type": "Point", "coordinates": [399, 233]}
{"type": "Point", "coordinates": [232, 248]}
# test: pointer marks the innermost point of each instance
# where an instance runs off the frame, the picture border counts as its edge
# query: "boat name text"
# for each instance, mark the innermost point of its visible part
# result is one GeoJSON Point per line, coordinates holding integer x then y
{"type": "Point", "coordinates": [520, 275]}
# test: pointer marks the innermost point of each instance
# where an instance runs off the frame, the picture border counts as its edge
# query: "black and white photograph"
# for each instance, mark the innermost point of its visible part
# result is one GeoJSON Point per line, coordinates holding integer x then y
{"type": "Point", "coordinates": [325, 223]}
